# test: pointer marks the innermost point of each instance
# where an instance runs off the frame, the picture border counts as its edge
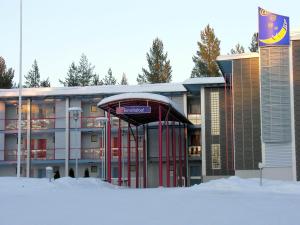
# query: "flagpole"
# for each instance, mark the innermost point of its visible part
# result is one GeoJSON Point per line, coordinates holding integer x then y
{"type": "Point", "coordinates": [20, 99]}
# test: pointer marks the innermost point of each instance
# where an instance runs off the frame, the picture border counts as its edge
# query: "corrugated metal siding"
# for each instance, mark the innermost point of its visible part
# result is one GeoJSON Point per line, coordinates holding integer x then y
{"type": "Point", "coordinates": [276, 106]}
{"type": "Point", "coordinates": [296, 75]}
{"type": "Point", "coordinates": [246, 113]}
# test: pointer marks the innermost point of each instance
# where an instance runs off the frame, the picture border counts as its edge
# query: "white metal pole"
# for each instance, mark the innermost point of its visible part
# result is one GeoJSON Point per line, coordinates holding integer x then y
{"type": "Point", "coordinates": [67, 136]}
{"type": "Point", "coordinates": [28, 161]}
{"type": "Point", "coordinates": [20, 99]}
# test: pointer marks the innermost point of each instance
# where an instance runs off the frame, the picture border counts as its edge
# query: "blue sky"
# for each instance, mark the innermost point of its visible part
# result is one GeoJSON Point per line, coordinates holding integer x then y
{"type": "Point", "coordinates": [118, 34]}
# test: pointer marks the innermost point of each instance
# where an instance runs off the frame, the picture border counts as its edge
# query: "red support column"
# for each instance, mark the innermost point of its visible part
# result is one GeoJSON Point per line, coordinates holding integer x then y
{"type": "Point", "coordinates": [168, 153]}
{"type": "Point", "coordinates": [119, 155]}
{"type": "Point", "coordinates": [174, 155]}
{"type": "Point", "coordinates": [108, 147]}
{"type": "Point", "coordinates": [180, 155]}
{"type": "Point", "coordinates": [128, 156]}
{"type": "Point", "coordinates": [144, 158]}
{"type": "Point", "coordinates": [160, 147]}
{"type": "Point", "coordinates": [136, 157]}
{"type": "Point", "coordinates": [225, 107]}
{"type": "Point", "coordinates": [184, 154]}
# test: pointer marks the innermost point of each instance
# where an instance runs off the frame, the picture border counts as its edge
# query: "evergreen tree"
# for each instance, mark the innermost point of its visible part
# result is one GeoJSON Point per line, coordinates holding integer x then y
{"type": "Point", "coordinates": [205, 59]}
{"type": "Point", "coordinates": [6, 76]}
{"type": "Point", "coordinates": [96, 81]}
{"type": "Point", "coordinates": [238, 49]}
{"type": "Point", "coordinates": [254, 43]}
{"type": "Point", "coordinates": [81, 75]}
{"type": "Point", "coordinates": [85, 71]}
{"type": "Point", "coordinates": [72, 78]}
{"type": "Point", "coordinates": [109, 79]}
{"type": "Point", "coordinates": [33, 77]}
{"type": "Point", "coordinates": [45, 83]}
{"type": "Point", "coordinates": [160, 70]}
{"type": "Point", "coordinates": [124, 80]}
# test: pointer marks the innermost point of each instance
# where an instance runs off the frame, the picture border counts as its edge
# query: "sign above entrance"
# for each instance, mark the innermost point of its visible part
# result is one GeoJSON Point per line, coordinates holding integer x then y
{"type": "Point", "coordinates": [133, 109]}
{"type": "Point", "coordinates": [274, 29]}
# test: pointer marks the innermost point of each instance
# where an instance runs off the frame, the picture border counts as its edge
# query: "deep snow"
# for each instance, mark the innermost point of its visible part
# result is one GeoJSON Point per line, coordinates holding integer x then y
{"type": "Point", "coordinates": [89, 201]}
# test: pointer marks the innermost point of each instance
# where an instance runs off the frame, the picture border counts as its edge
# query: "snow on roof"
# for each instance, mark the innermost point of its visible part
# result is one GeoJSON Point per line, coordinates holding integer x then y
{"type": "Point", "coordinates": [90, 90]}
{"type": "Point", "coordinates": [295, 35]}
{"type": "Point", "coordinates": [237, 56]}
{"type": "Point", "coordinates": [147, 96]}
{"type": "Point", "coordinates": [205, 80]}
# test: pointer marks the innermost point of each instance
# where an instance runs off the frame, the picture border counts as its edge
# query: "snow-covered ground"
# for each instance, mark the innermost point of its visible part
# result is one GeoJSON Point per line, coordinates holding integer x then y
{"type": "Point", "coordinates": [88, 201]}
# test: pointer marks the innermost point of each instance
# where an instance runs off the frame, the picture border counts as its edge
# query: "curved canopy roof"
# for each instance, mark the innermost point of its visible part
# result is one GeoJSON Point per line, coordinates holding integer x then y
{"type": "Point", "coordinates": [168, 107]}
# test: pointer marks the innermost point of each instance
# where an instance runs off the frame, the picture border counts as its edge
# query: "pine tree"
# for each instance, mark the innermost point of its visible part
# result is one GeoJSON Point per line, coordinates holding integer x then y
{"type": "Point", "coordinates": [160, 70]}
{"type": "Point", "coordinates": [45, 83]}
{"type": "Point", "coordinates": [85, 71]}
{"type": "Point", "coordinates": [205, 59]}
{"type": "Point", "coordinates": [124, 80]}
{"type": "Point", "coordinates": [254, 43]}
{"type": "Point", "coordinates": [109, 79]}
{"type": "Point", "coordinates": [96, 81]}
{"type": "Point", "coordinates": [72, 78]}
{"type": "Point", "coordinates": [33, 77]}
{"type": "Point", "coordinates": [6, 76]}
{"type": "Point", "coordinates": [81, 75]}
{"type": "Point", "coordinates": [238, 49]}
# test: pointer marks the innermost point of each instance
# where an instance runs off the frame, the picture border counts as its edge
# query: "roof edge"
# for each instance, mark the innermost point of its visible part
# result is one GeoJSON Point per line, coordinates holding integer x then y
{"type": "Point", "coordinates": [238, 56]}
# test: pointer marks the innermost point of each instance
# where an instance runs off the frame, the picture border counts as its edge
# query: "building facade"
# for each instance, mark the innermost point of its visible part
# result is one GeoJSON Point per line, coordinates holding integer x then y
{"type": "Point", "coordinates": [52, 137]}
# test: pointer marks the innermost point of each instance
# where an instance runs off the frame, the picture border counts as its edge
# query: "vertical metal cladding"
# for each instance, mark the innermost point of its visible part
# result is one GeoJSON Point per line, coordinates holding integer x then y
{"type": "Point", "coordinates": [296, 75]}
{"type": "Point", "coordinates": [276, 106]}
{"type": "Point", "coordinates": [246, 113]}
{"type": "Point", "coordinates": [218, 138]}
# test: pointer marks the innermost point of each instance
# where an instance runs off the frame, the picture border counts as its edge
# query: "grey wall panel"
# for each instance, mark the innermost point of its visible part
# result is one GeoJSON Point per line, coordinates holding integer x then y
{"type": "Point", "coordinates": [224, 139]}
{"type": "Point", "coordinates": [60, 144]}
{"type": "Point", "coordinates": [2, 136]}
{"type": "Point", "coordinates": [296, 75]}
{"type": "Point", "coordinates": [247, 138]}
{"type": "Point", "coordinates": [2, 115]}
{"type": "Point", "coordinates": [60, 114]}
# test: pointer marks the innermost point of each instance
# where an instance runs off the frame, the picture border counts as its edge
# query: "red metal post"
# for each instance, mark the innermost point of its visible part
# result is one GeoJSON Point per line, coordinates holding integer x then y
{"type": "Point", "coordinates": [108, 147]}
{"type": "Point", "coordinates": [168, 153]}
{"type": "Point", "coordinates": [160, 147]}
{"type": "Point", "coordinates": [144, 158]}
{"type": "Point", "coordinates": [225, 107]}
{"type": "Point", "coordinates": [119, 155]}
{"type": "Point", "coordinates": [174, 155]}
{"type": "Point", "coordinates": [128, 156]}
{"type": "Point", "coordinates": [180, 156]}
{"type": "Point", "coordinates": [136, 157]}
{"type": "Point", "coordinates": [184, 154]}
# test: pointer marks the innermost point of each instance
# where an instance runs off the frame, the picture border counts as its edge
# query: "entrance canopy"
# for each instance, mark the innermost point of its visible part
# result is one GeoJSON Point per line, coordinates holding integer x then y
{"type": "Point", "coordinates": [142, 108]}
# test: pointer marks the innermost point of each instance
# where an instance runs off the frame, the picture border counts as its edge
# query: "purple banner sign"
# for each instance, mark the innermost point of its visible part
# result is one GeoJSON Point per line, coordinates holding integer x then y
{"type": "Point", "coordinates": [133, 109]}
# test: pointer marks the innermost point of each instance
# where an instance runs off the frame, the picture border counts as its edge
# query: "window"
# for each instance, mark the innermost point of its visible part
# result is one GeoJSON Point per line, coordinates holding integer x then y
{"type": "Point", "coordinates": [215, 156]}
{"type": "Point", "coordinates": [93, 108]}
{"type": "Point", "coordinates": [94, 138]}
{"type": "Point", "coordinates": [94, 169]}
{"type": "Point", "coordinates": [215, 113]}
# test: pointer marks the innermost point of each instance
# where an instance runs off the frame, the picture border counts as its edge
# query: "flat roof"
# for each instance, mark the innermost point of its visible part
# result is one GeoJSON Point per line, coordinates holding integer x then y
{"type": "Point", "coordinates": [238, 56]}
{"type": "Point", "coordinates": [168, 108]}
{"type": "Point", "coordinates": [93, 90]}
{"type": "Point", "coordinates": [204, 80]}
{"type": "Point", "coordinates": [295, 35]}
